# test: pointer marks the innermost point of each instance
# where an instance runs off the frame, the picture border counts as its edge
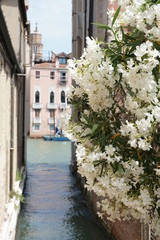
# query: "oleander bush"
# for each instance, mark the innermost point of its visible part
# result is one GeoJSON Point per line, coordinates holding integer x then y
{"type": "Point", "coordinates": [116, 114]}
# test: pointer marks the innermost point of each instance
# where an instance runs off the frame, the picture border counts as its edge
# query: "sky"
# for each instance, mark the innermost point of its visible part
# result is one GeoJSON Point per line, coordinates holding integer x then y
{"type": "Point", "coordinates": [53, 18]}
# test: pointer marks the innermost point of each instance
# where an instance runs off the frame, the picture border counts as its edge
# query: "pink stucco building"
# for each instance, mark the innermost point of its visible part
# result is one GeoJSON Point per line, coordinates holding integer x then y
{"type": "Point", "coordinates": [49, 82]}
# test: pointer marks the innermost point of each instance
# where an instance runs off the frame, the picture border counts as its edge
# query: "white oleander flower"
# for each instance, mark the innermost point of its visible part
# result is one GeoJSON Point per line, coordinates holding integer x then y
{"type": "Point", "coordinates": [144, 144]}
{"type": "Point", "coordinates": [157, 172]}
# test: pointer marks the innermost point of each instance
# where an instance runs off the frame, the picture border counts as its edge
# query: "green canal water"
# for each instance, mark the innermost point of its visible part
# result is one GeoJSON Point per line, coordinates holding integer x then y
{"type": "Point", "coordinates": [54, 207]}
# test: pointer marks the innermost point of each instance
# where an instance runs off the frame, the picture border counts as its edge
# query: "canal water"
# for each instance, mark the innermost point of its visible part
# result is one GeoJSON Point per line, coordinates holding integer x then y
{"type": "Point", "coordinates": [54, 207]}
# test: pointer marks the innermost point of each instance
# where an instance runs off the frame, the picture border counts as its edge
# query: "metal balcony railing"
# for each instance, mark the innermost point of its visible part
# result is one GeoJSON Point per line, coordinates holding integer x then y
{"type": "Point", "coordinates": [37, 120]}
{"type": "Point", "coordinates": [51, 120]}
{"type": "Point", "coordinates": [63, 80]}
{"type": "Point", "coordinates": [52, 106]}
{"type": "Point", "coordinates": [63, 105]}
{"type": "Point", "coordinates": [37, 105]}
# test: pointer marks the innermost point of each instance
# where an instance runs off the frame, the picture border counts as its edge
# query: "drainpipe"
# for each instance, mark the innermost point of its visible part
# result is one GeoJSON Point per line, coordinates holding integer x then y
{"type": "Point", "coordinates": [12, 129]}
{"type": "Point", "coordinates": [24, 100]}
{"type": "Point", "coordinates": [90, 30]}
{"type": "Point", "coordinates": [85, 23]}
{"type": "Point", "coordinates": [22, 77]}
{"type": "Point", "coordinates": [24, 135]}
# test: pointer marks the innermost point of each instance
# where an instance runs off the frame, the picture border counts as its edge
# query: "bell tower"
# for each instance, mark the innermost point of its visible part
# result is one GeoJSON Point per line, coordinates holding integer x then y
{"type": "Point", "coordinates": [36, 45]}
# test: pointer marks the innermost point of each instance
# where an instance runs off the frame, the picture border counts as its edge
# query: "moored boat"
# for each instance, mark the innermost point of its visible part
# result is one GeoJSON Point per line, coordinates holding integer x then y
{"type": "Point", "coordinates": [60, 138]}
{"type": "Point", "coordinates": [47, 137]}
{"type": "Point", "coordinates": [55, 138]}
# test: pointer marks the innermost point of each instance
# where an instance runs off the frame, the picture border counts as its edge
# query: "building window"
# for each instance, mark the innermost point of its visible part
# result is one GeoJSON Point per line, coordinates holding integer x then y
{"type": "Point", "coordinates": [51, 127]}
{"type": "Point", "coordinates": [37, 127]}
{"type": "Point", "coordinates": [37, 113]}
{"type": "Point", "coordinates": [52, 97]}
{"type": "Point", "coordinates": [62, 61]}
{"type": "Point", "coordinates": [62, 76]}
{"type": "Point", "coordinates": [52, 114]}
{"type": "Point", "coordinates": [37, 97]}
{"type": "Point", "coordinates": [35, 49]}
{"type": "Point", "coordinates": [52, 74]}
{"type": "Point", "coordinates": [62, 97]}
{"type": "Point", "coordinates": [37, 74]}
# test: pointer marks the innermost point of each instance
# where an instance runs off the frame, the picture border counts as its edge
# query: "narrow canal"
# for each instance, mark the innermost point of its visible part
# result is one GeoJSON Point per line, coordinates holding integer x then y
{"type": "Point", "coordinates": [54, 207]}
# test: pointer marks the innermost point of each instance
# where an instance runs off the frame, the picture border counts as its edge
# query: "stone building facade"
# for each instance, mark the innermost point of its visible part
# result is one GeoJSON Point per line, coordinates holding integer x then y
{"type": "Point", "coordinates": [49, 81]}
{"type": "Point", "coordinates": [48, 89]}
{"type": "Point", "coordinates": [14, 51]}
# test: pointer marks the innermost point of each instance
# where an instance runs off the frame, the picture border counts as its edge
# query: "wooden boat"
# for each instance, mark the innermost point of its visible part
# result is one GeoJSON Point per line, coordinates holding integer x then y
{"type": "Point", "coordinates": [47, 137]}
{"type": "Point", "coordinates": [60, 138]}
{"type": "Point", "coordinates": [55, 138]}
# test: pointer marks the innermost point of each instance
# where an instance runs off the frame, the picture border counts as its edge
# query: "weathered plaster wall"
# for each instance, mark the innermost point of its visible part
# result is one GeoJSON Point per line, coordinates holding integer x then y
{"type": "Point", "coordinates": [11, 108]}
{"type": "Point", "coordinates": [5, 87]}
{"type": "Point", "coordinates": [118, 230]}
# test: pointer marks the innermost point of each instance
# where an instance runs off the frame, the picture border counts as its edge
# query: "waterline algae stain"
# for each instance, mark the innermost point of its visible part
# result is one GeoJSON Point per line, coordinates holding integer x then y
{"type": "Point", "coordinates": [54, 207]}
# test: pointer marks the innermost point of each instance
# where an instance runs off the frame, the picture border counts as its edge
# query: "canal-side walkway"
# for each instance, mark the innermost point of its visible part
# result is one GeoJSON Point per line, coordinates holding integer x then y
{"type": "Point", "coordinates": [54, 207]}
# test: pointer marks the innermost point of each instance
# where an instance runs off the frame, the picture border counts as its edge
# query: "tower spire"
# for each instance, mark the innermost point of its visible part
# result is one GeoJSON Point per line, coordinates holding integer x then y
{"type": "Point", "coordinates": [36, 28]}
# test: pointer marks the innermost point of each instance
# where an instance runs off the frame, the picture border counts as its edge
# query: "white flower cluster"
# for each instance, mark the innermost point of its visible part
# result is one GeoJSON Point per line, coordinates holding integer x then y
{"type": "Point", "coordinates": [146, 20]}
{"type": "Point", "coordinates": [117, 121]}
{"type": "Point", "coordinates": [94, 75]}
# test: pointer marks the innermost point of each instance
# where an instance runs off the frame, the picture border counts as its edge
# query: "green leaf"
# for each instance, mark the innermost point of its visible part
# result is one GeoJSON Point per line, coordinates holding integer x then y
{"type": "Point", "coordinates": [129, 37]}
{"type": "Point", "coordinates": [86, 117]}
{"type": "Point", "coordinates": [116, 15]}
{"type": "Point", "coordinates": [158, 210]}
{"type": "Point", "coordinates": [103, 26]}
{"type": "Point", "coordinates": [156, 45]}
{"type": "Point", "coordinates": [120, 168]}
{"type": "Point", "coordinates": [135, 43]}
{"type": "Point", "coordinates": [156, 73]}
{"type": "Point", "coordinates": [122, 30]}
{"type": "Point", "coordinates": [94, 128]}
{"type": "Point", "coordinates": [109, 135]}
{"type": "Point", "coordinates": [132, 50]}
{"type": "Point", "coordinates": [136, 34]}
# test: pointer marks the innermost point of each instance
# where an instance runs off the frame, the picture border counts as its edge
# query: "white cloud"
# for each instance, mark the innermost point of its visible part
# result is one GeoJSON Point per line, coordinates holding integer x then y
{"type": "Point", "coordinates": [54, 22]}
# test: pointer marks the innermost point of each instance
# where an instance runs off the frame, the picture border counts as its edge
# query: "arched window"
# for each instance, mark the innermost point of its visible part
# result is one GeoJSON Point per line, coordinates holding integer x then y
{"type": "Point", "coordinates": [52, 97]}
{"type": "Point", "coordinates": [37, 97]}
{"type": "Point", "coordinates": [62, 97]}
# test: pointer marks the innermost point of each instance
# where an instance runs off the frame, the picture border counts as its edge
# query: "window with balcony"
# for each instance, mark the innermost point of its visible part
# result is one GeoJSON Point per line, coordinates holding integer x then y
{"type": "Point", "coordinates": [37, 127]}
{"type": "Point", "coordinates": [63, 97]}
{"type": "Point", "coordinates": [52, 75]}
{"type": "Point", "coordinates": [62, 77]}
{"type": "Point", "coordinates": [52, 114]}
{"type": "Point", "coordinates": [37, 113]}
{"type": "Point", "coordinates": [37, 74]}
{"type": "Point", "coordinates": [62, 60]}
{"type": "Point", "coordinates": [51, 119]}
{"type": "Point", "coordinates": [51, 127]}
{"type": "Point", "coordinates": [52, 97]}
{"type": "Point", "coordinates": [37, 97]}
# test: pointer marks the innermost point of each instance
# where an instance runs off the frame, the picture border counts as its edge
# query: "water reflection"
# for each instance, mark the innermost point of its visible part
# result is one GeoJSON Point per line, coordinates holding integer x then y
{"type": "Point", "coordinates": [54, 207]}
